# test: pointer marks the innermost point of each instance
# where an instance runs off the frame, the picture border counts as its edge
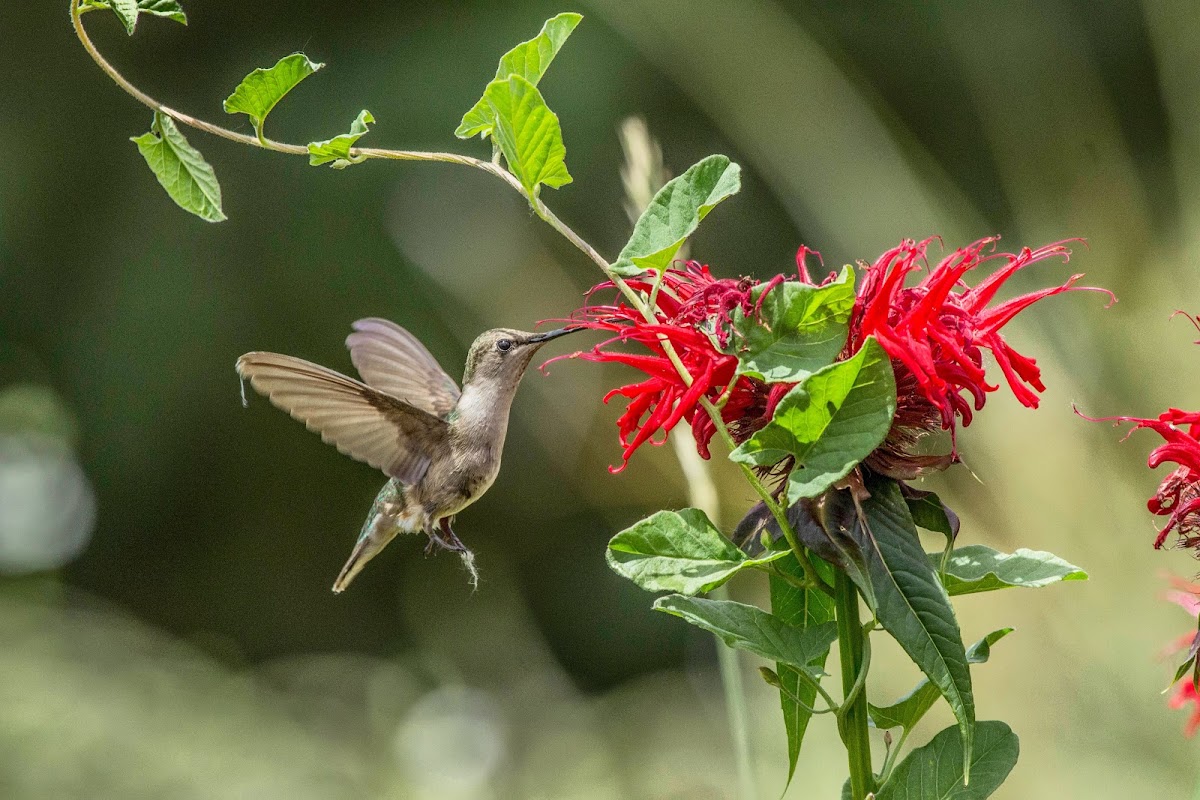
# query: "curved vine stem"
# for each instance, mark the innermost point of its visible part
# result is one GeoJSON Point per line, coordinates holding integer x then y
{"type": "Point", "coordinates": [491, 167]}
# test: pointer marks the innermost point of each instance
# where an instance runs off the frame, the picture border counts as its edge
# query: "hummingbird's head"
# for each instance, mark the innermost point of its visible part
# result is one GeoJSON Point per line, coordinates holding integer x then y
{"type": "Point", "coordinates": [502, 354]}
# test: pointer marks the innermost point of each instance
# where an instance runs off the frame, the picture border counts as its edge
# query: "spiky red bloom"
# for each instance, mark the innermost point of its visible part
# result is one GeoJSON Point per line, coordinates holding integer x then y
{"type": "Point", "coordinates": [1178, 496]}
{"type": "Point", "coordinates": [692, 310]}
{"type": "Point", "coordinates": [935, 332]}
{"type": "Point", "coordinates": [938, 329]}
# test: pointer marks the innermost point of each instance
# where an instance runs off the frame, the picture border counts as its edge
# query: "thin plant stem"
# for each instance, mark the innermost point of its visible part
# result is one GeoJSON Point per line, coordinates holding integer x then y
{"type": "Point", "coordinates": [736, 708]}
{"type": "Point", "coordinates": [893, 754]}
{"type": "Point", "coordinates": [810, 574]}
{"type": "Point", "coordinates": [853, 715]}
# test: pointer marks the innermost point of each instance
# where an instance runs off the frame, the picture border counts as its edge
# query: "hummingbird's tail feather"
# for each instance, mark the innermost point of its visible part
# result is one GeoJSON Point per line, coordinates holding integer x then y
{"type": "Point", "coordinates": [390, 515]}
{"type": "Point", "coordinates": [353, 566]}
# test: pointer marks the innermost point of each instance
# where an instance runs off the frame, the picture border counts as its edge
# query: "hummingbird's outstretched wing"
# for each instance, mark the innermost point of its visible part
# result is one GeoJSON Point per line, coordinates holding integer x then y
{"type": "Point", "coordinates": [360, 421]}
{"type": "Point", "coordinates": [395, 362]}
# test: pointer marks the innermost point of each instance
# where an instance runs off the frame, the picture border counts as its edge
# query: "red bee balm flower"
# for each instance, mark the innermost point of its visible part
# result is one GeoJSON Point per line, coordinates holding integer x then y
{"type": "Point", "coordinates": [937, 329]}
{"type": "Point", "coordinates": [692, 310]}
{"type": "Point", "coordinates": [1178, 496]}
{"type": "Point", "coordinates": [934, 332]}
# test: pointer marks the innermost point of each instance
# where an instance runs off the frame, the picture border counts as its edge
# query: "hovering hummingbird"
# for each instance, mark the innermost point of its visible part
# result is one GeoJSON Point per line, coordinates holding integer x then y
{"type": "Point", "coordinates": [440, 447]}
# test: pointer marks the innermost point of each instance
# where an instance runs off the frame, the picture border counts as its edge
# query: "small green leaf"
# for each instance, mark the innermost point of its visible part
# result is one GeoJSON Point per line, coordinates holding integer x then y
{"type": "Point", "coordinates": [679, 551]}
{"type": "Point", "coordinates": [798, 330]}
{"type": "Point", "coordinates": [908, 710]}
{"type": "Point", "coordinates": [750, 628]}
{"type": "Point", "coordinates": [528, 134]}
{"type": "Point", "coordinates": [829, 423]}
{"type": "Point", "coordinates": [1183, 669]}
{"type": "Point", "coordinates": [259, 91]}
{"type": "Point", "coordinates": [169, 9]}
{"type": "Point", "coordinates": [804, 609]}
{"type": "Point", "coordinates": [936, 770]}
{"type": "Point", "coordinates": [910, 602]}
{"type": "Point", "coordinates": [929, 512]}
{"type": "Point", "coordinates": [181, 170]}
{"type": "Point", "coordinates": [337, 149]}
{"type": "Point", "coordinates": [978, 568]}
{"type": "Point", "coordinates": [675, 213]}
{"type": "Point", "coordinates": [529, 60]}
{"type": "Point", "coordinates": [127, 12]}
{"type": "Point", "coordinates": [124, 10]}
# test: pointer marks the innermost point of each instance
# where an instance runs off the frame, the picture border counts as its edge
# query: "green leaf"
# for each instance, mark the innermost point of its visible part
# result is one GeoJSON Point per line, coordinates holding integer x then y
{"type": "Point", "coordinates": [181, 170]}
{"type": "Point", "coordinates": [259, 91]}
{"type": "Point", "coordinates": [804, 609]}
{"type": "Point", "coordinates": [936, 770]}
{"type": "Point", "coordinates": [1183, 669]}
{"type": "Point", "coordinates": [910, 601]}
{"type": "Point", "coordinates": [929, 512]}
{"type": "Point", "coordinates": [528, 134]}
{"type": "Point", "coordinates": [908, 710]}
{"type": "Point", "coordinates": [529, 60]}
{"type": "Point", "coordinates": [750, 628]}
{"type": "Point", "coordinates": [679, 551]}
{"type": "Point", "coordinates": [169, 9]}
{"type": "Point", "coordinates": [128, 10]}
{"type": "Point", "coordinates": [829, 423]}
{"type": "Point", "coordinates": [337, 149]}
{"type": "Point", "coordinates": [978, 568]}
{"type": "Point", "coordinates": [798, 330]}
{"type": "Point", "coordinates": [675, 213]}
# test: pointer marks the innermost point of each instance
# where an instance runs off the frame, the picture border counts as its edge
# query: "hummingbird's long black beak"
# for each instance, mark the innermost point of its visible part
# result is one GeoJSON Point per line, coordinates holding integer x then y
{"type": "Point", "coordinates": [541, 338]}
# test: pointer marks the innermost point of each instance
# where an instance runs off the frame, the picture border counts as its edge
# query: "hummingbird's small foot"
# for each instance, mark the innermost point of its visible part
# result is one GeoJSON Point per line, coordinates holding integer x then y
{"type": "Point", "coordinates": [448, 540]}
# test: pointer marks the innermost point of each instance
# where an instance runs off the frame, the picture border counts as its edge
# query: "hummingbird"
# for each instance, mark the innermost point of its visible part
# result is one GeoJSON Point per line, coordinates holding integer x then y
{"type": "Point", "coordinates": [439, 446]}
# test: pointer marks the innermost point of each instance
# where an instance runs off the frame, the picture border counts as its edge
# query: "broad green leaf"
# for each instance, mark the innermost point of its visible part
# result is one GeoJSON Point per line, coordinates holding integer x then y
{"type": "Point", "coordinates": [528, 134]}
{"type": "Point", "coordinates": [259, 91]}
{"type": "Point", "coordinates": [908, 710]}
{"type": "Point", "coordinates": [829, 423]}
{"type": "Point", "coordinates": [675, 213]}
{"type": "Point", "coordinates": [978, 568]}
{"type": "Point", "coordinates": [337, 149]}
{"type": "Point", "coordinates": [163, 8]}
{"type": "Point", "coordinates": [750, 628]}
{"type": "Point", "coordinates": [529, 60]}
{"type": "Point", "coordinates": [804, 609]}
{"type": "Point", "coordinates": [935, 771]}
{"type": "Point", "coordinates": [679, 551]}
{"type": "Point", "coordinates": [128, 10]}
{"type": "Point", "coordinates": [798, 330]}
{"type": "Point", "coordinates": [181, 170]}
{"type": "Point", "coordinates": [910, 601]}
{"type": "Point", "coordinates": [929, 512]}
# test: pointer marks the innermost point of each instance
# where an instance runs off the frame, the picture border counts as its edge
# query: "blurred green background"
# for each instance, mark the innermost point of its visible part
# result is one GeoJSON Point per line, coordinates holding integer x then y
{"type": "Point", "coordinates": [191, 646]}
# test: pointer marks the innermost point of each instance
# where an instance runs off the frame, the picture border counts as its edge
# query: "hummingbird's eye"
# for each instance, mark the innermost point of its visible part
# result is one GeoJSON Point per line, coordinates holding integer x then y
{"type": "Point", "coordinates": [504, 345]}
